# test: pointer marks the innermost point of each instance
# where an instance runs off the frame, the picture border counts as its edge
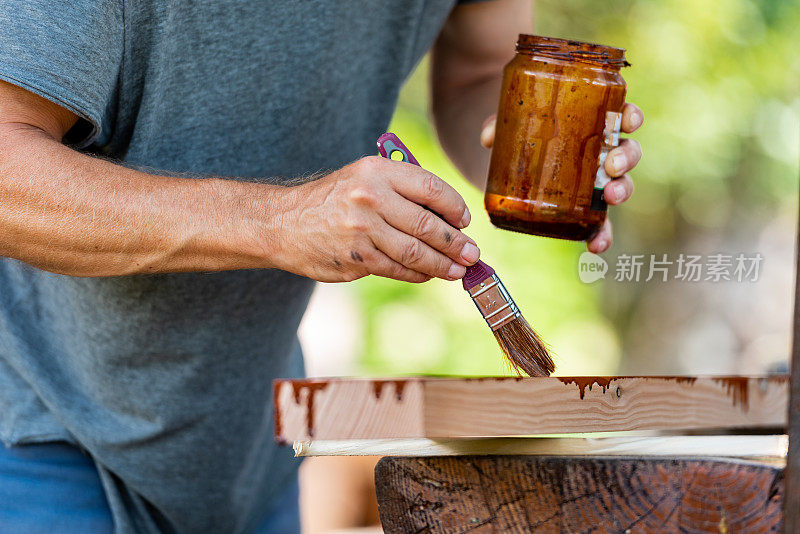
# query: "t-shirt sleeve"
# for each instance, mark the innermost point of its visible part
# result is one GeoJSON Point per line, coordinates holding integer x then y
{"type": "Point", "coordinates": [68, 51]}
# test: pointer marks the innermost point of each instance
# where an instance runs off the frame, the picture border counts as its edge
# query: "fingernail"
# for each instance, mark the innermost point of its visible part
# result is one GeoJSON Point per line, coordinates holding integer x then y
{"type": "Point", "coordinates": [619, 192]}
{"type": "Point", "coordinates": [470, 253]}
{"type": "Point", "coordinates": [620, 162]}
{"type": "Point", "coordinates": [456, 271]}
{"type": "Point", "coordinates": [636, 119]}
{"type": "Point", "coordinates": [465, 218]}
{"type": "Point", "coordinates": [601, 245]}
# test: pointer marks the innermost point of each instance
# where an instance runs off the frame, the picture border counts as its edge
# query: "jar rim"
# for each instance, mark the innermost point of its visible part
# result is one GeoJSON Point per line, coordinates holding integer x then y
{"type": "Point", "coordinates": [571, 50]}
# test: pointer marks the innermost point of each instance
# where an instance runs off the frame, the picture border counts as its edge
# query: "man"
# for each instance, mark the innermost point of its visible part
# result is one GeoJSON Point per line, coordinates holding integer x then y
{"type": "Point", "coordinates": [143, 313]}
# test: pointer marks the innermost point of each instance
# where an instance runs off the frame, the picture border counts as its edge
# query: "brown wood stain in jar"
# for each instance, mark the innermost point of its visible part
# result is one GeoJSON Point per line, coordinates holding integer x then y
{"type": "Point", "coordinates": [559, 114]}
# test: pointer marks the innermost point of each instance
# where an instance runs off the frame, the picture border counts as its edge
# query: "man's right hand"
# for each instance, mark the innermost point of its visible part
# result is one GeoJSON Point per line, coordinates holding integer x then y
{"type": "Point", "coordinates": [370, 218]}
{"type": "Point", "coordinates": [69, 213]}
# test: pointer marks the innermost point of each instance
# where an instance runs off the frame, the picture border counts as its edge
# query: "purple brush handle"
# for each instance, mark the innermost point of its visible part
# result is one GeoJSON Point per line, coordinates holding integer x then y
{"type": "Point", "coordinates": [389, 143]}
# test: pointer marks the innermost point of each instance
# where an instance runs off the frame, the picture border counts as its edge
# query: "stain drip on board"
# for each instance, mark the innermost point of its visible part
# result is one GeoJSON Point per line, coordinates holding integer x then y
{"type": "Point", "coordinates": [399, 386]}
{"type": "Point", "coordinates": [584, 382]}
{"type": "Point", "coordinates": [298, 386]}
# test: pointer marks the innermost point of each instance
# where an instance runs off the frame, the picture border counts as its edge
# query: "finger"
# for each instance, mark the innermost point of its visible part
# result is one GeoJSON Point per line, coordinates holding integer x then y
{"type": "Point", "coordinates": [632, 118]}
{"type": "Point", "coordinates": [618, 190]}
{"type": "Point", "coordinates": [416, 221]}
{"type": "Point", "coordinates": [623, 158]}
{"type": "Point", "coordinates": [427, 189]}
{"type": "Point", "coordinates": [602, 240]}
{"type": "Point", "coordinates": [487, 131]}
{"type": "Point", "coordinates": [383, 265]}
{"type": "Point", "coordinates": [415, 255]}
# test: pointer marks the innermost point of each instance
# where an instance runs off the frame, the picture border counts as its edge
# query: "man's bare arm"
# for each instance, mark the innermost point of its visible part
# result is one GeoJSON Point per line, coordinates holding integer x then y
{"type": "Point", "coordinates": [466, 71]}
{"type": "Point", "coordinates": [67, 212]}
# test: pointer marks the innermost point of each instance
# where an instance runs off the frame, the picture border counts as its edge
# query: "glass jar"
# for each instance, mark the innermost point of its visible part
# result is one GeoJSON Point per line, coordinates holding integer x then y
{"type": "Point", "coordinates": [559, 115]}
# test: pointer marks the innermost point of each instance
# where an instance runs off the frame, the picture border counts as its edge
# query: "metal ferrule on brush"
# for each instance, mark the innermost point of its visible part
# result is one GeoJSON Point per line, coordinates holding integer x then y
{"type": "Point", "coordinates": [494, 302]}
{"type": "Point", "coordinates": [490, 295]}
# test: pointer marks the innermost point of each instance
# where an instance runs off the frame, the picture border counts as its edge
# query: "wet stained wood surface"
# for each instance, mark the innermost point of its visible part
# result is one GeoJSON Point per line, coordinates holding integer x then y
{"type": "Point", "coordinates": [482, 494]}
{"type": "Point", "coordinates": [334, 409]}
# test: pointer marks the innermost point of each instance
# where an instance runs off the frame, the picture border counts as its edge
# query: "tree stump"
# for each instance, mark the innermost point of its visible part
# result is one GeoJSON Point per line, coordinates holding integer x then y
{"type": "Point", "coordinates": [479, 494]}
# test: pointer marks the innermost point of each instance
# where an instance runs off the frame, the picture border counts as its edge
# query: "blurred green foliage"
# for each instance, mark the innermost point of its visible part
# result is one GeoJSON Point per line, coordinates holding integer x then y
{"type": "Point", "coordinates": [719, 85]}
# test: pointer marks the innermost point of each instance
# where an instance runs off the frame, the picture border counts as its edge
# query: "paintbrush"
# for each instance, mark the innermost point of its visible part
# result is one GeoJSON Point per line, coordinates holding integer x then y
{"type": "Point", "coordinates": [522, 346]}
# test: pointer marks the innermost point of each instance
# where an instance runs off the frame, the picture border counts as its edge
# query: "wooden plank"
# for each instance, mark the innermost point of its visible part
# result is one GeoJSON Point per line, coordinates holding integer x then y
{"type": "Point", "coordinates": [347, 407]}
{"type": "Point", "coordinates": [498, 407]}
{"type": "Point", "coordinates": [749, 446]}
{"type": "Point", "coordinates": [482, 494]}
{"type": "Point", "coordinates": [792, 504]}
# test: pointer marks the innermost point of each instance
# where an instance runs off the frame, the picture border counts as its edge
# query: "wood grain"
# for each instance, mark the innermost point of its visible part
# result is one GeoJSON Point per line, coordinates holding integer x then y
{"type": "Point", "coordinates": [521, 494]}
{"type": "Point", "coordinates": [731, 446]}
{"type": "Point", "coordinates": [495, 407]}
{"type": "Point", "coordinates": [348, 407]}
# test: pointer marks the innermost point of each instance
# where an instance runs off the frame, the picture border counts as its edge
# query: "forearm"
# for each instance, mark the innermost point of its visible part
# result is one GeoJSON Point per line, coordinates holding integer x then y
{"type": "Point", "coordinates": [458, 115]}
{"type": "Point", "coordinates": [466, 74]}
{"type": "Point", "coordinates": [69, 213]}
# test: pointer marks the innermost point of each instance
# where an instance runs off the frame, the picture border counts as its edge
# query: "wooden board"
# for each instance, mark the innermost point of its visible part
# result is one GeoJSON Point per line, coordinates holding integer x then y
{"type": "Point", "coordinates": [496, 407]}
{"type": "Point", "coordinates": [483, 494]}
{"type": "Point", "coordinates": [751, 446]}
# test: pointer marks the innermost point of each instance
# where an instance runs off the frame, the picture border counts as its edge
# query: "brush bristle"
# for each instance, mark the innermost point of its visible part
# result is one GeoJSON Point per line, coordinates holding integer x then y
{"type": "Point", "coordinates": [524, 349]}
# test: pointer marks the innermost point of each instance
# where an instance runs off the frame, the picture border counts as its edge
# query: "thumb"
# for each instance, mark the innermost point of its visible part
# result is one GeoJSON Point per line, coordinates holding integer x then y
{"type": "Point", "coordinates": [487, 131]}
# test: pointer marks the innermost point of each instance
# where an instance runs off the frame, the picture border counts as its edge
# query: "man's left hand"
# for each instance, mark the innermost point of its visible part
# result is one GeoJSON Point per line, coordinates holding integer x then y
{"type": "Point", "coordinates": [619, 162]}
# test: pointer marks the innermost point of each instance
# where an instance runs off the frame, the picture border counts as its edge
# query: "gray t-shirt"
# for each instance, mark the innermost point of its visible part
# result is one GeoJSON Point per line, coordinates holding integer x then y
{"type": "Point", "coordinates": [166, 379]}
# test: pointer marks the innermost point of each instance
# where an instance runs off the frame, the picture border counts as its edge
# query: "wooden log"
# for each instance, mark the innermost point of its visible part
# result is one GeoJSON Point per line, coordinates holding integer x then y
{"type": "Point", "coordinates": [482, 494]}
{"type": "Point", "coordinates": [496, 407]}
{"type": "Point", "coordinates": [707, 446]}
